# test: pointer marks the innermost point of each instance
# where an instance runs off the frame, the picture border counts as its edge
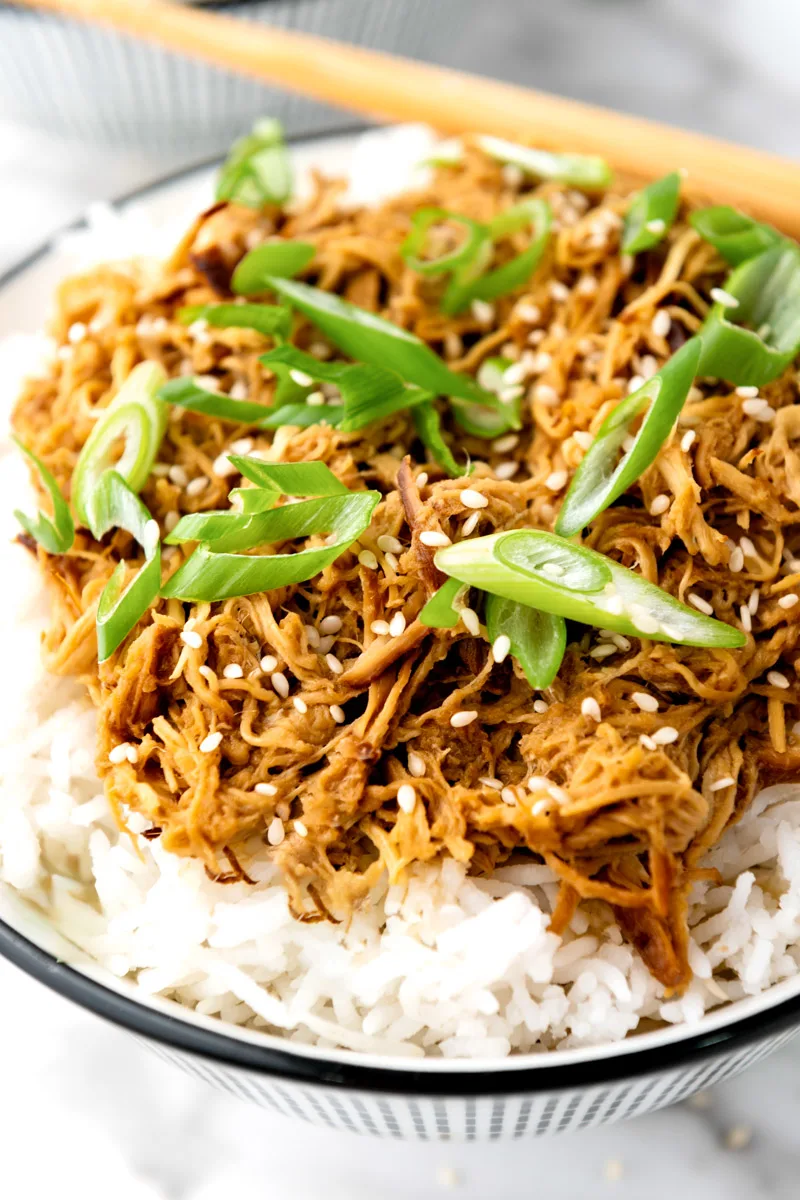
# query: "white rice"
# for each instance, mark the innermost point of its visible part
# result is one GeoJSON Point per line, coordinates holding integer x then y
{"type": "Point", "coordinates": [444, 965]}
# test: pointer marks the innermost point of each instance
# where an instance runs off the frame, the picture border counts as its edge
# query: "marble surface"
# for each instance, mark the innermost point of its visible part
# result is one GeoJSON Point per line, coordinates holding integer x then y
{"type": "Point", "coordinates": [84, 1109]}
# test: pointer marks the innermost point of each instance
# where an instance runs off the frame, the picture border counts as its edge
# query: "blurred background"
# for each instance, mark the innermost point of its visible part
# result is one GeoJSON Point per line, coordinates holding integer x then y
{"type": "Point", "coordinates": [84, 120]}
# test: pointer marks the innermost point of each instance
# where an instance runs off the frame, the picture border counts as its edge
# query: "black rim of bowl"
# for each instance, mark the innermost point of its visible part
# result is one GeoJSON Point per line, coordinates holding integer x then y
{"type": "Point", "coordinates": [285, 1064]}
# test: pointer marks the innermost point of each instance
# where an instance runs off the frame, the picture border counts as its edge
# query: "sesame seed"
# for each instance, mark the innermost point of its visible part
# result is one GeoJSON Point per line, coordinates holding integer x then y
{"type": "Point", "coordinates": [482, 311]}
{"type": "Point", "coordinates": [508, 795]}
{"type": "Point", "coordinates": [516, 373]}
{"type": "Point", "coordinates": [191, 639]}
{"type": "Point", "coordinates": [337, 712]}
{"type": "Point", "coordinates": [509, 394]}
{"type": "Point", "coordinates": [700, 604]}
{"type": "Point", "coordinates": [392, 561]}
{"type": "Point", "coordinates": [367, 559]}
{"type": "Point", "coordinates": [334, 664]}
{"type": "Point", "coordinates": [586, 286]}
{"type": "Point", "coordinates": [646, 741]}
{"type": "Point", "coordinates": [657, 225]}
{"type": "Point", "coordinates": [556, 480]}
{"type": "Point", "coordinates": [720, 296]}
{"type": "Point", "coordinates": [470, 524]}
{"type": "Point", "coordinates": [210, 743]}
{"type": "Point", "coordinates": [222, 466]}
{"type": "Point", "coordinates": [628, 443]}
{"type": "Point", "coordinates": [748, 547]}
{"type": "Point", "coordinates": [529, 313]}
{"type": "Point", "coordinates": [326, 644]}
{"type": "Point", "coordinates": [171, 519]}
{"type": "Point", "coordinates": [602, 651]}
{"type": "Point", "coordinates": [300, 378]}
{"type": "Point", "coordinates": [178, 476]}
{"type": "Point", "coordinates": [241, 445]}
{"type": "Point", "coordinates": [590, 708]}
{"type": "Point", "coordinates": [266, 789]}
{"type": "Point", "coordinates": [687, 441]}
{"type": "Point", "coordinates": [665, 735]}
{"type": "Point", "coordinates": [746, 619]}
{"type": "Point", "coordinates": [195, 486]}
{"type": "Point", "coordinates": [389, 544]}
{"type": "Point", "coordinates": [558, 793]}
{"type": "Point", "coordinates": [315, 399]}
{"type": "Point", "coordinates": [280, 683]}
{"type": "Point", "coordinates": [300, 704]}
{"type": "Point", "coordinates": [233, 671]}
{"type": "Point", "coordinates": [301, 829]}
{"type": "Point", "coordinates": [490, 782]}
{"type": "Point", "coordinates": [381, 628]}
{"type": "Point", "coordinates": [460, 719]}
{"type": "Point", "coordinates": [471, 621]}
{"type": "Point", "coordinates": [736, 560]}
{"type": "Point", "coordinates": [207, 673]}
{"type": "Point", "coordinates": [545, 394]}
{"type": "Point", "coordinates": [719, 784]}
{"type": "Point", "coordinates": [330, 624]}
{"type": "Point", "coordinates": [432, 537]}
{"type": "Point", "coordinates": [635, 382]}
{"type": "Point", "coordinates": [422, 479]}
{"type": "Point", "coordinates": [501, 647]}
{"type": "Point", "coordinates": [471, 498]}
{"type": "Point", "coordinates": [503, 445]}
{"type": "Point", "coordinates": [777, 679]}
{"type": "Point", "coordinates": [753, 602]}
{"type": "Point", "coordinates": [506, 470]}
{"type": "Point", "coordinates": [752, 408]}
{"type": "Point", "coordinates": [747, 391]}
{"type": "Point", "coordinates": [397, 625]}
{"type": "Point", "coordinates": [416, 764]}
{"type": "Point", "coordinates": [540, 706]}
{"type": "Point", "coordinates": [268, 663]}
{"type": "Point", "coordinates": [645, 701]}
{"type": "Point", "coordinates": [659, 505]}
{"type": "Point", "coordinates": [583, 438]}
{"type": "Point", "coordinates": [788, 601]}
{"type": "Point", "coordinates": [119, 753]}
{"type": "Point", "coordinates": [312, 636]}
{"type": "Point", "coordinates": [559, 291]}
{"type": "Point", "coordinates": [64, 353]}
{"type": "Point", "coordinates": [276, 832]}
{"type": "Point", "coordinates": [406, 797]}
{"type": "Point", "coordinates": [540, 362]}
{"type": "Point", "coordinates": [76, 333]}
{"type": "Point", "coordinates": [661, 323]}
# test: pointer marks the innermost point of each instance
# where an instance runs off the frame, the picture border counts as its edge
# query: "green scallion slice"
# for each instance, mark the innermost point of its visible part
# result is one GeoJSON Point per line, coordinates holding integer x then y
{"type": "Point", "coordinates": [651, 214]}
{"type": "Point", "coordinates": [577, 170]}
{"type": "Point", "coordinates": [538, 639]}
{"type": "Point", "coordinates": [257, 171]}
{"type": "Point", "coordinates": [57, 533]}
{"type": "Point", "coordinates": [732, 234]}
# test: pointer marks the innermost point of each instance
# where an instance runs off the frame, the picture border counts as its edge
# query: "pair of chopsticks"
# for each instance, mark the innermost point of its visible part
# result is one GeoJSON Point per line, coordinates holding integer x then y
{"type": "Point", "coordinates": [390, 88]}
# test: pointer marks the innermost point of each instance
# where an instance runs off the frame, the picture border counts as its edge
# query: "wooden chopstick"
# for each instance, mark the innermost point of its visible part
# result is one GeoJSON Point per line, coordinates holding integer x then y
{"type": "Point", "coordinates": [391, 88]}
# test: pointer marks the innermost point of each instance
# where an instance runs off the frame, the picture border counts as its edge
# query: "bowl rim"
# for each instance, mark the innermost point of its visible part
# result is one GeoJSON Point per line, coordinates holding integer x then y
{"type": "Point", "coordinates": [399, 1076]}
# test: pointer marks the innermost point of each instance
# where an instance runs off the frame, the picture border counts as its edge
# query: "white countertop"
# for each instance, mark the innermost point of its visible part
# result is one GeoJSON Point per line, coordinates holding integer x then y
{"type": "Point", "coordinates": [86, 1110]}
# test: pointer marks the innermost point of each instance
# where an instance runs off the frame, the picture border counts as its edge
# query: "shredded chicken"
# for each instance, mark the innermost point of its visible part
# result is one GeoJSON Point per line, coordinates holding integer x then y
{"type": "Point", "coordinates": [622, 812]}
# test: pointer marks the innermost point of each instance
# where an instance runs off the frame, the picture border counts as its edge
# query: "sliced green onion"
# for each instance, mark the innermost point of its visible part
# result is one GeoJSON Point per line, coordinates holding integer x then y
{"type": "Point", "coordinates": [544, 571]}
{"type": "Point", "coordinates": [270, 260]}
{"type": "Point", "coordinates": [139, 417]}
{"type": "Point", "coordinates": [271, 320]}
{"type": "Point", "coordinates": [368, 338]}
{"type": "Point", "coordinates": [369, 393]}
{"type": "Point", "coordinates": [304, 416]}
{"type": "Point", "coordinates": [475, 241]}
{"type": "Point", "coordinates": [428, 425]}
{"type": "Point", "coordinates": [257, 171]}
{"type": "Point", "coordinates": [115, 506]}
{"type": "Point", "coordinates": [602, 476]}
{"type": "Point", "coordinates": [732, 234]}
{"type": "Point", "coordinates": [291, 479]}
{"type": "Point", "coordinates": [514, 274]}
{"type": "Point", "coordinates": [578, 170]}
{"type": "Point", "coordinates": [186, 393]}
{"type": "Point", "coordinates": [57, 533]}
{"type": "Point", "coordinates": [767, 291]}
{"type": "Point", "coordinates": [538, 639]}
{"type": "Point", "coordinates": [210, 575]}
{"type": "Point", "coordinates": [487, 422]}
{"type": "Point", "coordinates": [440, 611]}
{"type": "Point", "coordinates": [651, 214]}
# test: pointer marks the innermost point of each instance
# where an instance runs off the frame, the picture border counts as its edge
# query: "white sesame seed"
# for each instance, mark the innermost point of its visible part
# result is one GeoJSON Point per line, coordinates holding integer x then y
{"type": "Point", "coordinates": [490, 782]}
{"type": "Point", "coordinates": [516, 373]}
{"type": "Point", "coordinates": [416, 764]}
{"type": "Point", "coordinates": [334, 664]}
{"type": "Point", "coordinates": [752, 408]}
{"type": "Point", "coordinates": [529, 313]}
{"type": "Point", "coordinates": [501, 647]}
{"type": "Point", "coordinates": [545, 394]}
{"type": "Point", "coordinates": [337, 712]}
{"type": "Point", "coordinates": [207, 673]}
{"type": "Point", "coordinates": [556, 480]}
{"type": "Point", "coordinates": [590, 708]}
{"type": "Point", "coordinates": [777, 679]}
{"type": "Point", "coordinates": [665, 735]}
{"type": "Point", "coordinates": [210, 743]}
{"type": "Point", "coordinates": [301, 829]}
{"type": "Point", "coordinates": [700, 604]}
{"type": "Point", "coordinates": [64, 353]}
{"type": "Point", "coordinates": [687, 441]}
{"type": "Point", "coordinates": [191, 639]}
{"type": "Point", "coordinates": [222, 466]}
{"type": "Point", "coordinates": [171, 519]}
{"type": "Point", "coordinates": [300, 378]}
{"type": "Point", "coordinates": [241, 445]}
{"type": "Point", "coordinates": [367, 559]}
{"type": "Point", "coordinates": [460, 719]}
{"type": "Point", "coordinates": [195, 486]}
{"type": "Point", "coordinates": [392, 561]}
{"type": "Point", "coordinates": [646, 741]}
{"type": "Point", "coordinates": [471, 621]}
{"type": "Point", "coordinates": [635, 382]}
{"type": "Point", "coordinates": [645, 701]}
{"type": "Point", "coordinates": [397, 625]}
{"type": "Point", "coordinates": [583, 438]}
{"type": "Point", "coordinates": [471, 498]}
{"type": "Point", "coordinates": [558, 793]}
{"type": "Point", "coordinates": [503, 445]}
{"type": "Point", "coordinates": [432, 537]}
{"type": "Point", "coordinates": [470, 524]}
{"type": "Point", "coordinates": [657, 226]}
{"type": "Point", "coordinates": [76, 333]}
{"type": "Point", "coordinates": [736, 560]}
{"type": "Point", "coordinates": [746, 391]}
{"type": "Point", "coordinates": [659, 505]}
{"type": "Point", "coordinates": [509, 394]}
{"type": "Point", "coordinates": [268, 663]}
{"type": "Point", "coordinates": [586, 286]}
{"type": "Point", "coordinates": [746, 619]}
{"type": "Point", "coordinates": [330, 624]}
{"type": "Point", "coordinates": [422, 479]}
{"type": "Point", "coordinates": [540, 362]}
{"type": "Point", "coordinates": [300, 704]}
{"type": "Point", "coordinates": [233, 671]}
{"type": "Point", "coordinates": [326, 643]}
{"type": "Point", "coordinates": [506, 470]}
{"type": "Point", "coordinates": [312, 636]}
{"type": "Point", "coordinates": [132, 752]}
{"type": "Point", "coordinates": [389, 544]}
{"type": "Point", "coordinates": [628, 443]}
{"type": "Point", "coordinates": [280, 683]}
{"type": "Point", "coordinates": [661, 323]}
{"type": "Point", "coordinates": [119, 753]}
{"type": "Point", "coordinates": [276, 832]}
{"type": "Point", "coordinates": [558, 290]}
{"type": "Point", "coordinates": [381, 628]}
{"type": "Point", "coordinates": [315, 399]}
{"type": "Point", "coordinates": [266, 789]}
{"type": "Point", "coordinates": [406, 797]}
{"type": "Point", "coordinates": [508, 795]}
{"type": "Point", "coordinates": [753, 602]}
{"type": "Point", "coordinates": [482, 311]}
{"type": "Point", "coordinates": [720, 296]}
{"type": "Point", "coordinates": [719, 784]}
{"type": "Point", "coordinates": [602, 651]}
{"type": "Point", "coordinates": [789, 600]}
{"type": "Point", "coordinates": [197, 328]}
{"type": "Point", "coordinates": [540, 706]}
{"type": "Point", "coordinates": [766, 415]}
{"type": "Point", "coordinates": [178, 476]}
